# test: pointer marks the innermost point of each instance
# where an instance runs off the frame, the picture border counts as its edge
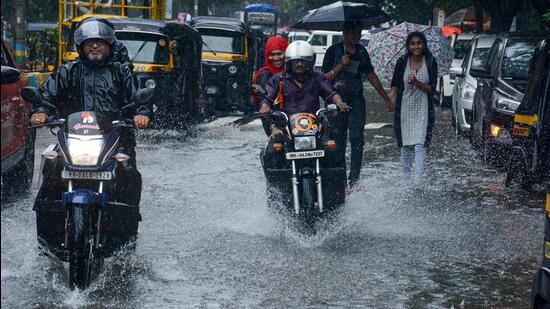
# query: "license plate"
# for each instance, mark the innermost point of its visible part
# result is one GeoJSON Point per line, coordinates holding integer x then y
{"type": "Point", "coordinates": [305, 155]}
{"type": "Point", "coordinates": [86, 175]}
{"type": "Point", "coordinates": [520, 131]}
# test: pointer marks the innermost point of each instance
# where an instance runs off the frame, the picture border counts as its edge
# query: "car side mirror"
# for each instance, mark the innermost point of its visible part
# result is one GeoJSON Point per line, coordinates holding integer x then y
{"type": "Point", "coordinates": [455, 72]}
{"type": "Point", "coordinates": [258, 90]}
{"type": "Point", "coordinates": [31, 94]}
{"type": "Point", "coordinates": [480, 72]}
{"type": "Point", "coordinates": [10, 75]}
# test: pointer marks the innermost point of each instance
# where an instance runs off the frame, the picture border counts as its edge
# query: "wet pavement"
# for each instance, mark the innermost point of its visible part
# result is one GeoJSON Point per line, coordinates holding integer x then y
{"type": "Point", "coordinates": [207, 239]}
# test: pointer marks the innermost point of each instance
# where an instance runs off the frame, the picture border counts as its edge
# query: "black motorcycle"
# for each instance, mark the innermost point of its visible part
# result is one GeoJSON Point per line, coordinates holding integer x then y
{"type": "Point", "coordinates": [87, 223]}
{"type": "Point", "coordinates": [316, 178]}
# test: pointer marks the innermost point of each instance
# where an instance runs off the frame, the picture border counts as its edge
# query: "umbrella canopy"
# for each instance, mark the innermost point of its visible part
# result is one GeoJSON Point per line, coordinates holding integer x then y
{"type": "Point", "coordinates": [387, 46]}
{"type": "Point", "coordinates": [333, 16]}
{"type": "Point", "coordinates": [448, 30]}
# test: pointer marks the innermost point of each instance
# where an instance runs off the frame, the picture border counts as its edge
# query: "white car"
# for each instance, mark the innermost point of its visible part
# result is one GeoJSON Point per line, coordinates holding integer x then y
{"type": "Point", "coordinates": [459, 44]}
{"type": "Point", "coordinates": [321, 40]}
{"type": "Point", "coordinates": [298, 36]}
{"type": "Point", "coordinates": [465, 85]}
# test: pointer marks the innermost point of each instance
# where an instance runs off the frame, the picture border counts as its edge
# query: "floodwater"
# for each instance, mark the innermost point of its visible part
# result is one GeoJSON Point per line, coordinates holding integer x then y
{"type": "Point", "coordinates": [207, 239]}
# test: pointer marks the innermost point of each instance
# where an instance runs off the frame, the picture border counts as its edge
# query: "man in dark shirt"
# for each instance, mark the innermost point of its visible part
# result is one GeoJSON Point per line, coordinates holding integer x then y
{"type": "Point", "coordinates": [348, 61]}
{"type": "Point", "coordinates": [294, 91]}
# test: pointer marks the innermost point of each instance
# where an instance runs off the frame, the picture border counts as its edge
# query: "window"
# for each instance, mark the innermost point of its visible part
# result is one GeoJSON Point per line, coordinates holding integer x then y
{"type": "Point", "coordinates": [145, 47]}
{"type": "Point", "coordinates": [460, 48]}
{"type": "Point", "coordinates": [467, 57]}
{"type": "Point", "coordinates": [480, 56]}
{"type": "Point", "coordinates": [319, 40]}
{"type": "Point", "coordinates": [518, 53]}
{"type": "Point", "coordinates": [222, 41]}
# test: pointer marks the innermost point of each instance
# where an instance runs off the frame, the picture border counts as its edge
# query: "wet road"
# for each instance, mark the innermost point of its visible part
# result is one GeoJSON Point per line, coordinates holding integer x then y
{"type": "Point", "coordinates": [207, 239]}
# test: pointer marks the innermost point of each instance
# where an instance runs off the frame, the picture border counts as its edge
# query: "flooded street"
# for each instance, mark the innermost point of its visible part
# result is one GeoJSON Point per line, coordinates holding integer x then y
{"type": "Point", "coordinates": [207, 239]}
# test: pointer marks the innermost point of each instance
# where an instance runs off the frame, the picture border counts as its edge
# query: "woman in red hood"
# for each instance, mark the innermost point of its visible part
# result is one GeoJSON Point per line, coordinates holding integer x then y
{"type": "Point", "coordinates": [275, 58]}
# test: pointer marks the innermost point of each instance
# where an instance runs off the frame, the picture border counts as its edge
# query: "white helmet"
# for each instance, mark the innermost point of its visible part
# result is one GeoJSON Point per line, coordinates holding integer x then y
{"type": "Point", "coordinates": [299, 50]}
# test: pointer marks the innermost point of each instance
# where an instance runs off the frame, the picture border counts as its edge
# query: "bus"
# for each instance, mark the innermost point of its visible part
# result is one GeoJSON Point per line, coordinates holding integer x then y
{"type": "Point", "coordinates": [262, 17]}
{"type": "Point", "coordinates": [72, 12]}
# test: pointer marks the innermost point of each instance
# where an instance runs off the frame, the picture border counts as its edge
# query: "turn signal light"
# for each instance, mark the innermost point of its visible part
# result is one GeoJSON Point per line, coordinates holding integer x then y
{"type": "Point", "coordinates": [495, 130]}
{"type": "Point", "coordinates": [331, 144]}
{"type": "Point", "coordinates": [278, 147]}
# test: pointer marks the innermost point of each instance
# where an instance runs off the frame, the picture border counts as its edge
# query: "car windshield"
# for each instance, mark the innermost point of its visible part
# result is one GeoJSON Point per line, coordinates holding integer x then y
{"type": "Point", "coordinates": [154, 48]}
{"type": "Point", "coordinates": [515, 63]}
{"type": "Point", "coordinates": [223, 41]}
{"type": "Point", "coordinates": [480, 56]}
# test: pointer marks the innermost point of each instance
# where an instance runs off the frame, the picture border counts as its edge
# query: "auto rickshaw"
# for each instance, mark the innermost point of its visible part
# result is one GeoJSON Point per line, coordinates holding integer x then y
{"type": "Point", "coordinates": [530, 160]}
{"type": "Point", "coordinates": [166, 56]}
{"type": "Point", "coordinates": [540, 293]}
{"type": "Point", "coordinates": [230, 57]}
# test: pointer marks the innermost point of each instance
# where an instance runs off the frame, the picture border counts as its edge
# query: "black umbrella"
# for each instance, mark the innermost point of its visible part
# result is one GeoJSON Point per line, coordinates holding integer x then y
{"type": "Point", "coordinates": [333, 16]}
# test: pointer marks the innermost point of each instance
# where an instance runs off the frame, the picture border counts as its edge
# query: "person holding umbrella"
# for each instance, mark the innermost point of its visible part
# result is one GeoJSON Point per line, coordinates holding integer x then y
{"type": "Point", "coordinates": [349, 61]}
{"type": "Point", "coordinates": [413, 85]}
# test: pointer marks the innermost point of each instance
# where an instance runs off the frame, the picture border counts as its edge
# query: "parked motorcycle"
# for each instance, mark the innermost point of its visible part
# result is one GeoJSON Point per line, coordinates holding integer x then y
{"type": "Point", "coordinates": [315, 177]}
{"type": "Point", "coordinates": [87, 223]}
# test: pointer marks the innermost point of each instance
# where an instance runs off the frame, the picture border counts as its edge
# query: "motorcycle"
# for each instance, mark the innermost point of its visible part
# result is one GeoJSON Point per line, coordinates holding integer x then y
{"type": "Point", "coordinates": [88, 223]}
{"type": "Point", "coordinates": [316, 180]}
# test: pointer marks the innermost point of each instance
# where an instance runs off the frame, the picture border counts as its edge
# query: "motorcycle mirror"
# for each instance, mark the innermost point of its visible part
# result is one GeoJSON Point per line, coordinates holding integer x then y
{"type": "Point", "coordinates": [31, 94]}
{"type": "Point", "coordinates": [258, 90]}
{"type": "Point", "coordinates": [340, 87]}
{"type": "Point", "coordinates": [143, 95]}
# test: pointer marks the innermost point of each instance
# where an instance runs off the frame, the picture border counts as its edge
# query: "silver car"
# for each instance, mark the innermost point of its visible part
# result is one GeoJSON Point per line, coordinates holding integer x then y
{"type": "Point", "coordinates": [465, 85]}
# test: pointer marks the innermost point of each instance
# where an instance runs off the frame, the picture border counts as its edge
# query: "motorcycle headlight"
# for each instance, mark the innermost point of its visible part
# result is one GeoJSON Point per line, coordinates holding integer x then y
{"type": "Point", "coordinates": [505, 104]}
{"type": "Point", "coordinates": [305, 143]}
{"type": "Point", "coordinates": [84, 151]}
{"type": "Point", "coordinates": [232, 69]}
{"type": "Point", "coordinates": [468, 92]}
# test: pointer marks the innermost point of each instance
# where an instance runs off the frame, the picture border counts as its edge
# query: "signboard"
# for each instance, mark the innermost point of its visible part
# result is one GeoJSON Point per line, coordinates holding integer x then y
{"type": "Point", "coordinates": [261, 17]}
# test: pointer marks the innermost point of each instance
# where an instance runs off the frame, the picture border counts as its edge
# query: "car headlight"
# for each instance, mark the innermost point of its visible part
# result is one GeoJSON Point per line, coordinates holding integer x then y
{"type": "Point", "coordinates": [468, 91]}
{"type": "Point", "coordinates": [84, 151]}
{"type": "Point", "coordinates": [150, 83]}
{"type": "Point", "coordinates": [505, 104]}
{"type": "Point", "coordinates": [305, 143]}
{"type": "Point", "coordinates": [232, 69]}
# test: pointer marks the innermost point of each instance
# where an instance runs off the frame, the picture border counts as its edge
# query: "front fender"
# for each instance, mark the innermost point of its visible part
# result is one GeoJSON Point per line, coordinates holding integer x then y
{"type": "Point", "coordinates": [84, 196]}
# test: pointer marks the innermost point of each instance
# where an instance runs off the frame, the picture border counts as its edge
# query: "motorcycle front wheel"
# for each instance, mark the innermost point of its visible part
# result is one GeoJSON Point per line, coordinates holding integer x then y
{"type": "Point", "coordinates": [81, 247]}
{"type": "Point", "coordinates": [310, 212]}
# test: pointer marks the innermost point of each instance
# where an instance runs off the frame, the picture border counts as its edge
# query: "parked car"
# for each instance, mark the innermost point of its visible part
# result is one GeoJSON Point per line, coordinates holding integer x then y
{"type": "Point", "coordinates": [530, 160]}
{"type": "Point", "coordinates": [298, 36]}
{"type": "Point", "coordinates": [465, 84]}
{"type": "Point", "coordinates": [17, 140]}
{"type": "Point", "coordinates": [502, 81]}
{"type": "Point", "coordinates": [459, 43]}
{"type": "Point", "coordinates": [321, 40]}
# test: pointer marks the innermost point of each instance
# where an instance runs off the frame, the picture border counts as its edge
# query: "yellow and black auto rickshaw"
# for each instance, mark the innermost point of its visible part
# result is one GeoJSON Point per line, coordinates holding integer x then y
{"type": "Point", "coordinates": [166, 56]}
{"type": "Point", "coordinates": [530, 160]}
{"type": "Point", "coordinates": [230, 57]}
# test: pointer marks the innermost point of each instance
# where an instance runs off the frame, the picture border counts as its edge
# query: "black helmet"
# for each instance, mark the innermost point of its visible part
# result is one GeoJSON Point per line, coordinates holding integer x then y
{"type": "Point", "coordinates": [97, 18]}
{"type": "Point", "coordinates": [94, 29]}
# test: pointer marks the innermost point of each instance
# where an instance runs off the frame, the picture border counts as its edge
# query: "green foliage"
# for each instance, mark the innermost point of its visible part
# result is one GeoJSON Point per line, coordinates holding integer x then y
{"type": "Point", "coordinates": [42, 49]}
{"type": "Point", "coordinates": [546, 16]}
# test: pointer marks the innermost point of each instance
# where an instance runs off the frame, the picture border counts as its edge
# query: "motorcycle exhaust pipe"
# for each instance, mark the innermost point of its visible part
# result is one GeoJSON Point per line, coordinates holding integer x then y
{"type": "Point", "coordinates": [319, 185]}
{"type": "Point", "coordinates": [295, 193]}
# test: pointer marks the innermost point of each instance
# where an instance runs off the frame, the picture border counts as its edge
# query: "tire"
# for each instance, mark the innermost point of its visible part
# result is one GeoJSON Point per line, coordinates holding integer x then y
{"type": "Point", "coordinates": [19, 179]}
{"type": "Point", "coordinates": [80, 260]}
{"type": "Point", "coordinates": [310, 213]}
{"type": "Point", "coordinates": [519, 177]}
